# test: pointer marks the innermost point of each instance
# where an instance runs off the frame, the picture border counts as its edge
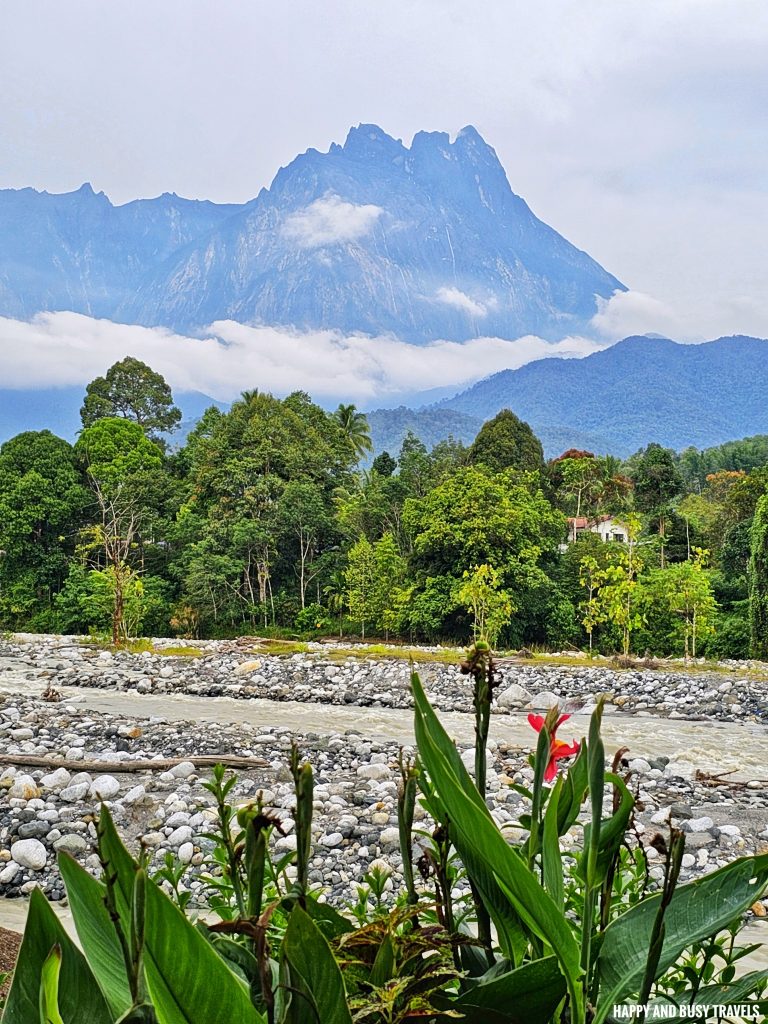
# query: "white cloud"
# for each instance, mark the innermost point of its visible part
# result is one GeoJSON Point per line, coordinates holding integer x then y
{"type": "Point", "coordinates": [627, 313]}
{"type": "Point", "coordinates": [59, 349]}
{"type": "Point", "coordinates": [330, 220]}
{"type": "Point", "coordinates": [460, 300]}
{"type": "Point", "coordinates": [634, 312]}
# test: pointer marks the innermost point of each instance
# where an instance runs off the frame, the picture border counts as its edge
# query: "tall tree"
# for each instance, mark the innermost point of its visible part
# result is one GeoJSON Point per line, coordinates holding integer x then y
{"type": "Point", "coordinates": [134, 391]}
{"type": "Point", "coordinates": [657, 483]}
{"type": "Point", "coordinates": [355, 428]}
{"type": "Point", "coordinates": [360, 575]}
{"type": "Point", "coordinates": [43, 502]}
{"type": "Point", "coordinates": [758, 581]}
{"type": "Point", "coordinates": [506, 442]}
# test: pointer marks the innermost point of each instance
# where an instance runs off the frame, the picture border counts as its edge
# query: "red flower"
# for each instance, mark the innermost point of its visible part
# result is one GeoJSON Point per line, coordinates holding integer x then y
{"type": "Point", "coordinates": [557, 749]}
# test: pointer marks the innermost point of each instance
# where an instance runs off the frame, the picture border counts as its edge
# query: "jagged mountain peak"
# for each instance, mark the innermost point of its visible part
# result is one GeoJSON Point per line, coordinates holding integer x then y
{"type": "Point", "coordinates": [424, 241]}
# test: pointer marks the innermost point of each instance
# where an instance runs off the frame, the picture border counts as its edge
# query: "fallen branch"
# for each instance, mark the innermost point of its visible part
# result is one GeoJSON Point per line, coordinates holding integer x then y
{"type": "Point", "coordinates": [712, 781]}
{"type": "Point", "coordinates": [125, 767]}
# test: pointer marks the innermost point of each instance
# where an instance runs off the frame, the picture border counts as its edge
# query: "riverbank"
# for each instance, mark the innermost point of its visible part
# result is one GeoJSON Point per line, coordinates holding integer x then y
{"type": "Point", "coordinates": [350, 720]}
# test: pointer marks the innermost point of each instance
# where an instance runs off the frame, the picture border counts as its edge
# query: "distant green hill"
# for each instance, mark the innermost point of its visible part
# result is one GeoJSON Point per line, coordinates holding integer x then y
{"type": "Point", "coordinates": [642, 389]}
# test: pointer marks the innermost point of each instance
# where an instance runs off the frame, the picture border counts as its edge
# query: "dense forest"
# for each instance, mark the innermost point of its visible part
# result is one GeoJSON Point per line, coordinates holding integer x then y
{"type": "Point", "coordinates": [264, 521]}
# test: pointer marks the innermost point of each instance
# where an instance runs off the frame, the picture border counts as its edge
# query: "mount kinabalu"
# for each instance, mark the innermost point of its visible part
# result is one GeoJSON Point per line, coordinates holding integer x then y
{"type": "Point", "coordinates": [423, 242]}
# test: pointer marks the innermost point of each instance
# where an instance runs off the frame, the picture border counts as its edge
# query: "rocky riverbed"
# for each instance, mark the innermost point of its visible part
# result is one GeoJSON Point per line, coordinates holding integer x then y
{"type": "Point", "coordinates": [153, 707]}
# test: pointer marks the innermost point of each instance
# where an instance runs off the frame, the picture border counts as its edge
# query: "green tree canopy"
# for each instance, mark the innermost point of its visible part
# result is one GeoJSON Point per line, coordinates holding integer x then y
{"type": "Point", "coordinates": [115, 450]}
{"type": "Point", "coordinates": [506, 442]}
{"type": "Point", "coordinates": [134, 391]}
{"type": "Point", "coordinates": [42, 506]}
{"type": "Point", "coordinates": [472, 518]}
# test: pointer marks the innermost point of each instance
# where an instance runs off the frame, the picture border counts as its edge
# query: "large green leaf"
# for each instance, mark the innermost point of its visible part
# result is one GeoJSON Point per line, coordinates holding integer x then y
{"type": "Point", "coordinates": [189, 983]}
{"type": "Point", "coordinates": [475, 834]}
{"type": "Point", "coordinates": [528, 995]}
{"type": "Point", "coordinates": [551, 857]}
{"type": "Point", "coordinates": [318, 995]}
{"type": "Point", "coordinates": [697, 910]}
{"type": "Point", "coordinates": [510, 931]}
{"type": "Point", "coordinates": [96, 933]}
{"type": "Point", "coordinates": [80, 999]}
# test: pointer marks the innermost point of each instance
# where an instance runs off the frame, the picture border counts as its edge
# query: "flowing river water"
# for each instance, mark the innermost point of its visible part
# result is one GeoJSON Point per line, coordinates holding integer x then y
{"type": "Point", "coordinates": [714, 747]}
{"type": "Point", "coordinates": [708, 745]}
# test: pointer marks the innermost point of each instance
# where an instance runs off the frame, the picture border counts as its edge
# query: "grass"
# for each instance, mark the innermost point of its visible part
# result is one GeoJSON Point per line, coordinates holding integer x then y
{"type": "Point", "coordinates": [383, 652]}
{"type": "Point", "coordinates": [142, 646]}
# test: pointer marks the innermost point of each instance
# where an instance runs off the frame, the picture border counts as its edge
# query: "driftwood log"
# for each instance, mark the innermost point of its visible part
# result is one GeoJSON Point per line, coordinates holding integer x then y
{"type": "Point", "coordinates": [722, 780]}
{"type": "Point", "coordinates": [124, 767]}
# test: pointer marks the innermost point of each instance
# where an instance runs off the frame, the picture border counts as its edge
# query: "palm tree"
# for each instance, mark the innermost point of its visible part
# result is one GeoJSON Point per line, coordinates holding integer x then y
{"type": "Point", "coordinates": [354, 426]}
{"type": "Point", "coordinates": [336, 594]}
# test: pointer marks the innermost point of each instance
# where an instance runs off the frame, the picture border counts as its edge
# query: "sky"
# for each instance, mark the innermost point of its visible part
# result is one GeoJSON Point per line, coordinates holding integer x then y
{"type": "Point", "coordinates": [635, 128]}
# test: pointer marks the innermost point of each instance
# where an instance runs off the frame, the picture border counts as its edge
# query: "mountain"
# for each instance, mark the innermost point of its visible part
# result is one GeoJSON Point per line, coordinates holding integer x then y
{"type": "Point", "coordinates": [424, 242]}
{"type": "Point", "coordinates": [76, 251]}
{"type": "Point", "coordinates": [431, 425]}
{"type": "Point", "coordinates": [642, 389]}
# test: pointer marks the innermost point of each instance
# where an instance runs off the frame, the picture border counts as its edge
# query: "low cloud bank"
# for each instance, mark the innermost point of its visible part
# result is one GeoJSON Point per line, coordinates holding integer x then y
{"type": "Point", "coordinates": [65, 349]}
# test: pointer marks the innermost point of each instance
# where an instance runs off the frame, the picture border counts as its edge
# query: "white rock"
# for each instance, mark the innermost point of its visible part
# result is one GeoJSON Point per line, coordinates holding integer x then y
{"type": "Point", "coordinates": [166, 672]}
{"type": "Point", "coordinates": [544, 700]}
{"type": "Point", "coordinates": [74, 793]}
{"type": "Point", "coordinates": [513, 696]}
{"type": "Point", "coordinates": [180, 835]}
{"type": "Point", "coordinates": [639, 764]}
{"type": "Point", "coordinates": [134, 795]}
{"type": "Point", "coordinates": [186, 853]}
{"type": "Point", "coordinates": [105, 787]}
{"type": "Point", "coordinates": [332, 839]}
{"type": "Point", "coordinates": [373, 771]}
{"type": "Point", "coordinates": [9, 872]}
{"type": "Point", "coordinates": [700, 824]}
{"type": "Point", "coordinates": [179, 818]}
{"type": "Point", "coordinates": [730, 830]}
{"type": "Point", "coordinates": [390, 837]}
{"type": "Point", "coordinates": [56, 780]}
{"type": "Point", "coordinates": [286, 844]}
{"type": "Point", "coordinates": [29, 853]}
{"type": "Point", "coordinates": [182, 770]}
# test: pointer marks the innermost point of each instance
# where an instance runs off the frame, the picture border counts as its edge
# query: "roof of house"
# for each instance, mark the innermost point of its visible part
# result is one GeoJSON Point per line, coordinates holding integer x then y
{"type": "Point", "coordinates": [584, 523]}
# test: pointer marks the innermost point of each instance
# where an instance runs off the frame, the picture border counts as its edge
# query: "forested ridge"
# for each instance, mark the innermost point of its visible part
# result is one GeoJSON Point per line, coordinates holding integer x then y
{"type": "Point", "coordinates": [264, 521]}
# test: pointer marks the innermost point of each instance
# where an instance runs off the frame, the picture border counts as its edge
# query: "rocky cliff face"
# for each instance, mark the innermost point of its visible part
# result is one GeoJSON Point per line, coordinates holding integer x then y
{"type": "Point", "coordinates": [423, 242]}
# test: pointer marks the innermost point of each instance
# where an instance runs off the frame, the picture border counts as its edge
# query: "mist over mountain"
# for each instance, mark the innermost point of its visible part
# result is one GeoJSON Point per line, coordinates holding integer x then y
{"type": "Point", "coordinates": [424, 242]}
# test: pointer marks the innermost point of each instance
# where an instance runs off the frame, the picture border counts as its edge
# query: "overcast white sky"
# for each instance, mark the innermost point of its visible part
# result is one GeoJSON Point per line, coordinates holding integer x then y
{"type": "Point", "coordinates": [637, 128]}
